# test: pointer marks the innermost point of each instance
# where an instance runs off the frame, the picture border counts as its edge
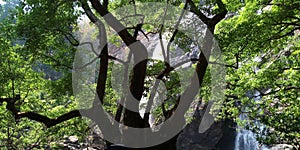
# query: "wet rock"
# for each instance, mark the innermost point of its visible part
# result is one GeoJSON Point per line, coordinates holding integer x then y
{"type": "Point", "coordinates": [281, 147]}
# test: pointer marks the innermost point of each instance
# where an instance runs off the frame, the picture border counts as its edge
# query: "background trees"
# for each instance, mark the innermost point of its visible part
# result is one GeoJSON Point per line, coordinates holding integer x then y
{"type": "Point", "coordinates": [259, 40]}
{"type": "Point", "coordinates": [263, 40]}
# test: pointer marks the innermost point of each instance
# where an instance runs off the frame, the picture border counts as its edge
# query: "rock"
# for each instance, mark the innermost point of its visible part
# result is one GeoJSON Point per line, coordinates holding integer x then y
{"type": "Point", "coordinates": [191, 139]}
{"type": "Point", "coordinates": [73, 139]}
{"type": "Point", "coordinates": [281, 147]}
{"type": "Point", "coordinates": [229, 135]}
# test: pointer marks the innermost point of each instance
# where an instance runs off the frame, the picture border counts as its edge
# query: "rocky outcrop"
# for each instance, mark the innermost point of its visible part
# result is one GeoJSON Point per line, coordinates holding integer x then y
{"type": "Point", "coordinates": [229, 136]}
{"type": "Point", "coordinates": [191, 139]}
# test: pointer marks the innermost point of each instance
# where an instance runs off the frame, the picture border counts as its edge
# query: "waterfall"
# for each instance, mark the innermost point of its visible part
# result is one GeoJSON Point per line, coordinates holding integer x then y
{"type": "Point", "coordinates": [245, 139]}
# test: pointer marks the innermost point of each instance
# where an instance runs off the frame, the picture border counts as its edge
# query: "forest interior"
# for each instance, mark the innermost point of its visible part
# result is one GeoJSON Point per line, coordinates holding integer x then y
{"type": "Point", "coordinates": [153, 75]}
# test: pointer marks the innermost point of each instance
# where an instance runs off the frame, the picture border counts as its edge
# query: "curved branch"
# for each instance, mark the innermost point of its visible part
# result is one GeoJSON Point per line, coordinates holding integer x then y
{"type": "Point", "coordinates": [48, 121]}
{"type": "Point", "coordinates": [195, 10]}
{"type": "Point", "coordinates": [35, 116]}
{"type": "Point", "coordinates": [218, 17]}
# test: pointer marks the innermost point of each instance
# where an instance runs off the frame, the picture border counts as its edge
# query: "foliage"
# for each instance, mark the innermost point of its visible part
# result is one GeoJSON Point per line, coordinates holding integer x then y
{"type": "Point", "coordinates": [22, 73]}
{"type": "Point", "coordinates": [259, 40]}
{"type": "Point", "coordinates": [261, 44]}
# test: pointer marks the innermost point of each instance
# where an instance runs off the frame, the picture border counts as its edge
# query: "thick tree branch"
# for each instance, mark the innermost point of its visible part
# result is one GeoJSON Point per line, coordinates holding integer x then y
{"type": "Point", "coordinates": [88, 11]}
{"type": "Point", "coordinates": [210, 22]}
{"type": "Point", "coordinates": [195, 10]}
{"type": "Point", "coordinates": [120, 109]}
{"type": "Point", "coordinates": [48, 121]}
{"type": "Point", "coordinates": [140, 59]}
{"type": "Point", "coordinates": [220, 16]}
{"type": "Point", "coordinates": [105, 4]}
{"type": "Point", "coordinates": [102, 76]}
{"type": "Point", "coordinates": [35, 116]}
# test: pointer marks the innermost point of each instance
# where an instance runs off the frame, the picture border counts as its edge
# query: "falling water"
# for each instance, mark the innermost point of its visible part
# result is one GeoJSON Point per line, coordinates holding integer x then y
{"type": "Point", "coordinates": [245, 139]}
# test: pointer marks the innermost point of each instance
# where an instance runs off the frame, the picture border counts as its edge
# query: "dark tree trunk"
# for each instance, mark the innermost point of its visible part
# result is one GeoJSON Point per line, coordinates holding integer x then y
{"type": "Point", "coordinates": [133, 118]}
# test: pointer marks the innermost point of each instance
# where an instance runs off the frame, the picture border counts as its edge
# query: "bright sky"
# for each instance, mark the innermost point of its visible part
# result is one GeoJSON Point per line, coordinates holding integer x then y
{"type": "Point", "coordinates": [1, 2]}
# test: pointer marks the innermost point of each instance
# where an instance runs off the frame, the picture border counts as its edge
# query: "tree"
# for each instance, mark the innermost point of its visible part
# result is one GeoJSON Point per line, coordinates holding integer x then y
{"type": "Point", "coordinates": [261, 45]}
{"type": "Point", "coordinates": [26, 92]}
{"type": "Point", "coordinates": [50, 40]}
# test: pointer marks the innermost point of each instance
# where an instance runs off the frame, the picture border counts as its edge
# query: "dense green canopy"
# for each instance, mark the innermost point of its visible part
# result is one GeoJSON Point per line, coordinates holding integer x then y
{"type": "Point", "coordinates": [259, 41]}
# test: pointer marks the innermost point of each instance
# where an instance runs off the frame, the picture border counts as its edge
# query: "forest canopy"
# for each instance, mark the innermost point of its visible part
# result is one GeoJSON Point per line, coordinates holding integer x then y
{"type": "Point", "coordinates": [41, 42]}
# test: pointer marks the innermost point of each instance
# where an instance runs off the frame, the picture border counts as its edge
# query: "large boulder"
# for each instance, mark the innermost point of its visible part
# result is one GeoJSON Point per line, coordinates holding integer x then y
{"type": "Point", "coordinates": [191, 139]}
